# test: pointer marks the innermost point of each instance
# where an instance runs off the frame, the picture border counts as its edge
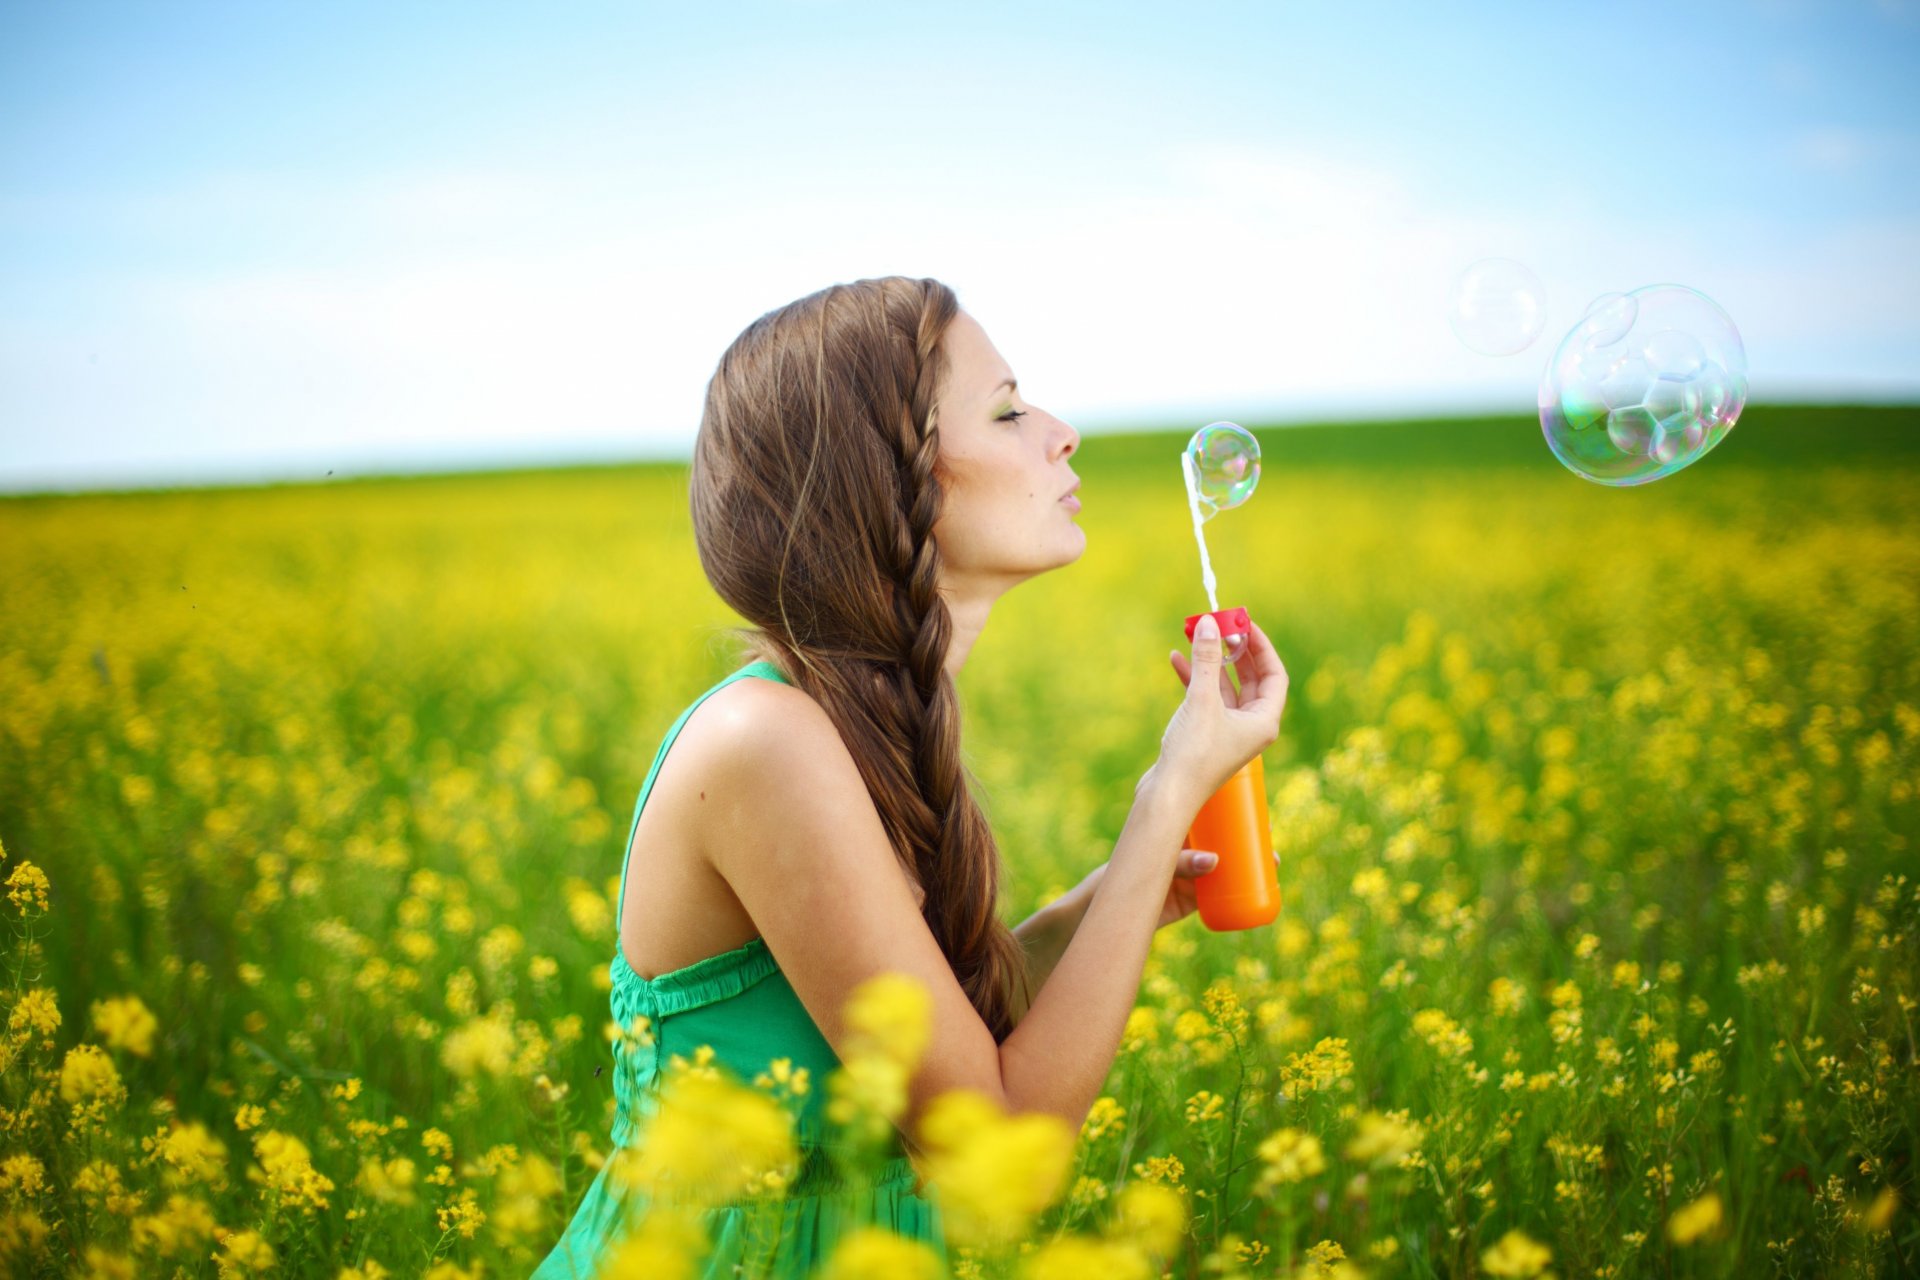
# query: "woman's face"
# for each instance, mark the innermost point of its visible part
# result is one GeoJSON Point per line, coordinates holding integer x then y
{"type": "Point", "coordinates": [1004, 473]}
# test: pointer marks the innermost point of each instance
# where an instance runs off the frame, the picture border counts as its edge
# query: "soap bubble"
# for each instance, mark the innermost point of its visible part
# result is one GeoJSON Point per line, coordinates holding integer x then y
{"type": "Point", "coordinates": [1496, 307]}
{"type": "Point", "coordinates": [1225, 466]}
{"type": "Point", "coordinates": [1643, 384]}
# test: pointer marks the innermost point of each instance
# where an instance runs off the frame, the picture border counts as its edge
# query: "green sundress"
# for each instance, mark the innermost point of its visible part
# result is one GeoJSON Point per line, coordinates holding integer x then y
{"type": "Point", "coordinates": [742, 1005]}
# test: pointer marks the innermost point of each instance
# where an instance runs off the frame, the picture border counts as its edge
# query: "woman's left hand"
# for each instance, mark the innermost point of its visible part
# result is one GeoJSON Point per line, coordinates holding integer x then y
{"type": "Point", "coordinates": [1182, 899]}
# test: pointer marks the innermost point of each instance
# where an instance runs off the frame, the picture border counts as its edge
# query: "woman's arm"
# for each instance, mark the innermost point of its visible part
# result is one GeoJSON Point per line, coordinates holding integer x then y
{"type": "Point", "coordinates": [1044, 936]}
{"type": "Point", "coordinates": [1046, 933]}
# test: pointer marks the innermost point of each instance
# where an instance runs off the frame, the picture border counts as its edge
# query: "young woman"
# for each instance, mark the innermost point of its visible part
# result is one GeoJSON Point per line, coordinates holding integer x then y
{"type": "Point", "coordinates": [866, 482]}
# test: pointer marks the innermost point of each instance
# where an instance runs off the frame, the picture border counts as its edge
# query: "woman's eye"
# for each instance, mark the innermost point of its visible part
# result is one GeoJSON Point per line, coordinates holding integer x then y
{"type": "Point", "coordinates": [1011, 414]}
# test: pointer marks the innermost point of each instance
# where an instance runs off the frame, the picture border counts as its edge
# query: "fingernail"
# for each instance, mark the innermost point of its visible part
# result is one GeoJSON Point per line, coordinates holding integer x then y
{"type": "Point", "coordinates": [1206, 861]}
{"type": "Point", "coordinates": [1206, 627]}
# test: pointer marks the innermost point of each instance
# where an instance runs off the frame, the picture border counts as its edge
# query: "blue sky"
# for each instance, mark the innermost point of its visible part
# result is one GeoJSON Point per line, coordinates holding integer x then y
{"type": "Point", "coordinates": [253, 241]}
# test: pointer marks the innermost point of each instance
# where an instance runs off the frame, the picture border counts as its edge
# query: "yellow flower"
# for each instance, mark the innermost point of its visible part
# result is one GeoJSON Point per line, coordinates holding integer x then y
{"type": "Point", "coordinates": [1080, 1258]}
{"type": "Point", "coordinates": [183, 1224]}
{"type": "Point", "coordinates": [286, 1167]}
{"type": "Point", "coordinates": [389, 1181]}
{"type": "Point", "coordinates": [27, 888]}
{"type": "Point", "coordinates": [1443, 1033]}
{"type": "Point", "coordinates": [244, 1253]}
{"type": "Point", "coordinates": [890, 1014]}
{"type": "Point", "coordinates": [711, 1139]}
{"type": "Point", "coordinates": [1322, 1256]}
{"type": "Point", "coordinates": [38, 1011]}
{"type": "Point", "coordinates": [992, 1172]}
{"type": "Point", "coordinates": [126, 1023]}
{"type": "Point", "coordinates": [1516, 1254]}
{"type": "Point", "coordinates": [1692, 1221]}
{"type": "Point", "coordinates": [1104, 1117]}
{"type": "Point", "coordinates": [194, 1157]}
{"type": "Point", "coordinates": [479, 1045]}
{"type": "Point", "coordinates": [874, 1253]}
{"type": "Point", "coordinates": [87, 1075]}
{"type": "Point", "coordinates": [524, 1191]}
{"type": "Point", "coordinates": [1204, 1106]}
{"type": "Point", "coordinates": [22, 1175]}
{"type": "Point", "coordinates": [1149, 1216]}
{"type": "Point", "coordinates": [1383, 1140]}
{"type": "Point", "coordinates": [1321, 1067]}
{"type": "Point", "coordinates": [1161, 1169]}
{"type": "Point", "coordinates": [102, 1265]}
{"type": "Point", "coordinates": [1879, 1215]}
{"type": "Point", "coordinates": [668, 1244]}
{"type": "Point", "coordinates": [867, 1093]}
{"type": "Point", "coordinates": [1290, 1156]}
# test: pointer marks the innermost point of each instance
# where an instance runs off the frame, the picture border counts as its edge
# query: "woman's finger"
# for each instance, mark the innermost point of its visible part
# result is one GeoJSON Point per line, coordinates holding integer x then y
{"type": "Point", "coordinates": [1196, 862]}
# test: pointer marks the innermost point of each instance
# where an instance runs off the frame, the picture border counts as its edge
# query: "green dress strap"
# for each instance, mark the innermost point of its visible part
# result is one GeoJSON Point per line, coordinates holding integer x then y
{"type": "Point", "coordinates": [765, 670]}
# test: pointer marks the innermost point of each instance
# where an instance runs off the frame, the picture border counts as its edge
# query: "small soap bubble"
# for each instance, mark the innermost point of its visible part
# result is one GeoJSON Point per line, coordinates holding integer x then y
{"type": "Point", "coordinates": [1661, 372]}
{"type": "Point", "coordinates": [1497, 307]}
{"type": "Point", "coordinates": [1226, 466]}
{"type": "Point", "coordinates": [1607, 320]}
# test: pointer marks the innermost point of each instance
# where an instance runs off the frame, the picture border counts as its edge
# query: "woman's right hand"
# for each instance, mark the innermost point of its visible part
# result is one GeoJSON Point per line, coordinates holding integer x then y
{"type": "Point", "coordinates": [1217, 728]}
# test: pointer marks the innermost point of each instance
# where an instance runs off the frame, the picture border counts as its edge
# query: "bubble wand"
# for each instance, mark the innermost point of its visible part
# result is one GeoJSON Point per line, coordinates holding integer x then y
{"type": "Point", "coordinates": [1221, 466]}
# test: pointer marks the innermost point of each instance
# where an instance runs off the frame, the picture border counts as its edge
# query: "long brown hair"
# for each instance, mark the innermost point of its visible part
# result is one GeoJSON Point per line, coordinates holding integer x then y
{"type": "Point", "coordinates": [815, 488]}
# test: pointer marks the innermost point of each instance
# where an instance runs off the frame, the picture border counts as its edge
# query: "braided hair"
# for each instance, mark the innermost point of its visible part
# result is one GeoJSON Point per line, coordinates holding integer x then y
{"type": "Point", "coordinates": [815, 487]}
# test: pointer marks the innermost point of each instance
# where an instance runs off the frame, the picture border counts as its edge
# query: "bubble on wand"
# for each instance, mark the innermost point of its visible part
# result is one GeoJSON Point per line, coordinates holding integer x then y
{"type": "Point", "coordinates": [1220, 467]}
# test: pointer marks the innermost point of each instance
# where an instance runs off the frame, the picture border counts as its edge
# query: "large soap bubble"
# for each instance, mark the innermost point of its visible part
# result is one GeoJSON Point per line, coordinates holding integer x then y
{"type": "Point", "coordinates": [1497, 307]}
{"type": "Point", "coordinates": [1643, 384]}
{"type": "Point", "coordinates": [1225, 460]}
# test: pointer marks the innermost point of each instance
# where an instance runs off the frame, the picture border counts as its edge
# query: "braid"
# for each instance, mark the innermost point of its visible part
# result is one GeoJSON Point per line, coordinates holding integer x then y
{"type": "Point", "coordinates": [972, 938]}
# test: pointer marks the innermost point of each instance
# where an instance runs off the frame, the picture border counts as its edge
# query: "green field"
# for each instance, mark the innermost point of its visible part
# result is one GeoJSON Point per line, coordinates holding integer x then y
{"type": "Point", "coordinates": [1595, 807]}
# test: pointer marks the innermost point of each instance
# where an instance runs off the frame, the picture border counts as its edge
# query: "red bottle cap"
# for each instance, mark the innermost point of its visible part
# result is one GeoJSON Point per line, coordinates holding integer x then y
{"type": "Point", "coordinates": [1233, 622]}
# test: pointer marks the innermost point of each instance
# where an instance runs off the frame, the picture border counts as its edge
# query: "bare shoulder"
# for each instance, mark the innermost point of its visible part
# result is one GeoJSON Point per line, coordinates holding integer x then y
{"type": "Point", "coordinates": [774, 760]}
{"type": "Point", "coordinates": [757, 732]}
{"type": "Point", "coordinates": [757, 743]}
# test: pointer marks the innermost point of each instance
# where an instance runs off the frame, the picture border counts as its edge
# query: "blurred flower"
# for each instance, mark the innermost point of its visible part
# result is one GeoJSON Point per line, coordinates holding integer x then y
{"type": "Point", "coordinates": [127, 1024]}
{"type": "Point", "coordinates": [1696, 1219]}
{"type": "Point", "coordinates": [990, 1172]}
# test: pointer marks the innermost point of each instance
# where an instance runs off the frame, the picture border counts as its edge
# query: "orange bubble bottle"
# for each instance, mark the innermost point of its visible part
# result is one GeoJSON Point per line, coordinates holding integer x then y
{"type": "Point", "coordinates": [1243, 889]}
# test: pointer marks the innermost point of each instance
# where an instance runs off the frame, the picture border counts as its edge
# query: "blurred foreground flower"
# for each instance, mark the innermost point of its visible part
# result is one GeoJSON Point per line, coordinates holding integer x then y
{"type": "Point", "coordinates": [712, 1139]}
{"type": "Point", "coordinates": [991, 1172]}
{"type": "Point", "coordinates": [889, 1020]}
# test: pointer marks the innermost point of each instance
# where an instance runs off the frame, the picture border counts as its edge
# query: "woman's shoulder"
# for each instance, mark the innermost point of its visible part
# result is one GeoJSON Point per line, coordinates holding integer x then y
{"type": "Point", "coordinates": [755, 726]}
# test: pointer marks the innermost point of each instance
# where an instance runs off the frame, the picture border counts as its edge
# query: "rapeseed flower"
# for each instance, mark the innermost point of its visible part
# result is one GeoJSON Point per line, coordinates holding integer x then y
{"type": "Point", "coordinates": [990, 1172]}
{"type": "Point", "coordinates": [1383, 1140]}
{"type": "Point", "coordinates": [1289, 1155]}
{"type": "Point", "coordinates": [874, 1253]}
{"type": "Point", "coordinates": [1149, 1216]}
{"type": "Point", "coordinates": [127, 1023]}
{"type": "Point", "coordinates": [286, 1168]}
{"type": "Point", "coordinates": [710, 1139]}
{"type": "Point", "coordinates": [1081, 1258]}
{"type": "Point", "coordinates": [1696, 1220]}
{"type": "Point", "coordinates": [1516, 1254]}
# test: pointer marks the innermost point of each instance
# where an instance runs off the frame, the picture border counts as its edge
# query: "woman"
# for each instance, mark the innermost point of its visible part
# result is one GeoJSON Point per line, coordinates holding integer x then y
{"type": "Point", "coordinates": [866, 482]}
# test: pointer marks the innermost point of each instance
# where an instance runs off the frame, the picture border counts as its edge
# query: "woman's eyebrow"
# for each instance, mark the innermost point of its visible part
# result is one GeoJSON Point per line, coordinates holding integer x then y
{"type": "Point", "coordinates": [1005, 382]}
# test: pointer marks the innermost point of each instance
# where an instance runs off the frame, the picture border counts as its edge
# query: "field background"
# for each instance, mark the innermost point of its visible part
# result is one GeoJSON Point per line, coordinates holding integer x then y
{"type": "Point", "coordinates": [1619, 782]}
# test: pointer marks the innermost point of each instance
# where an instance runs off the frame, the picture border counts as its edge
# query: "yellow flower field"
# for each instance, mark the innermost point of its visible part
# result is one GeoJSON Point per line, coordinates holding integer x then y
{"type": "Point", "coordinates": [1600, 951]}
